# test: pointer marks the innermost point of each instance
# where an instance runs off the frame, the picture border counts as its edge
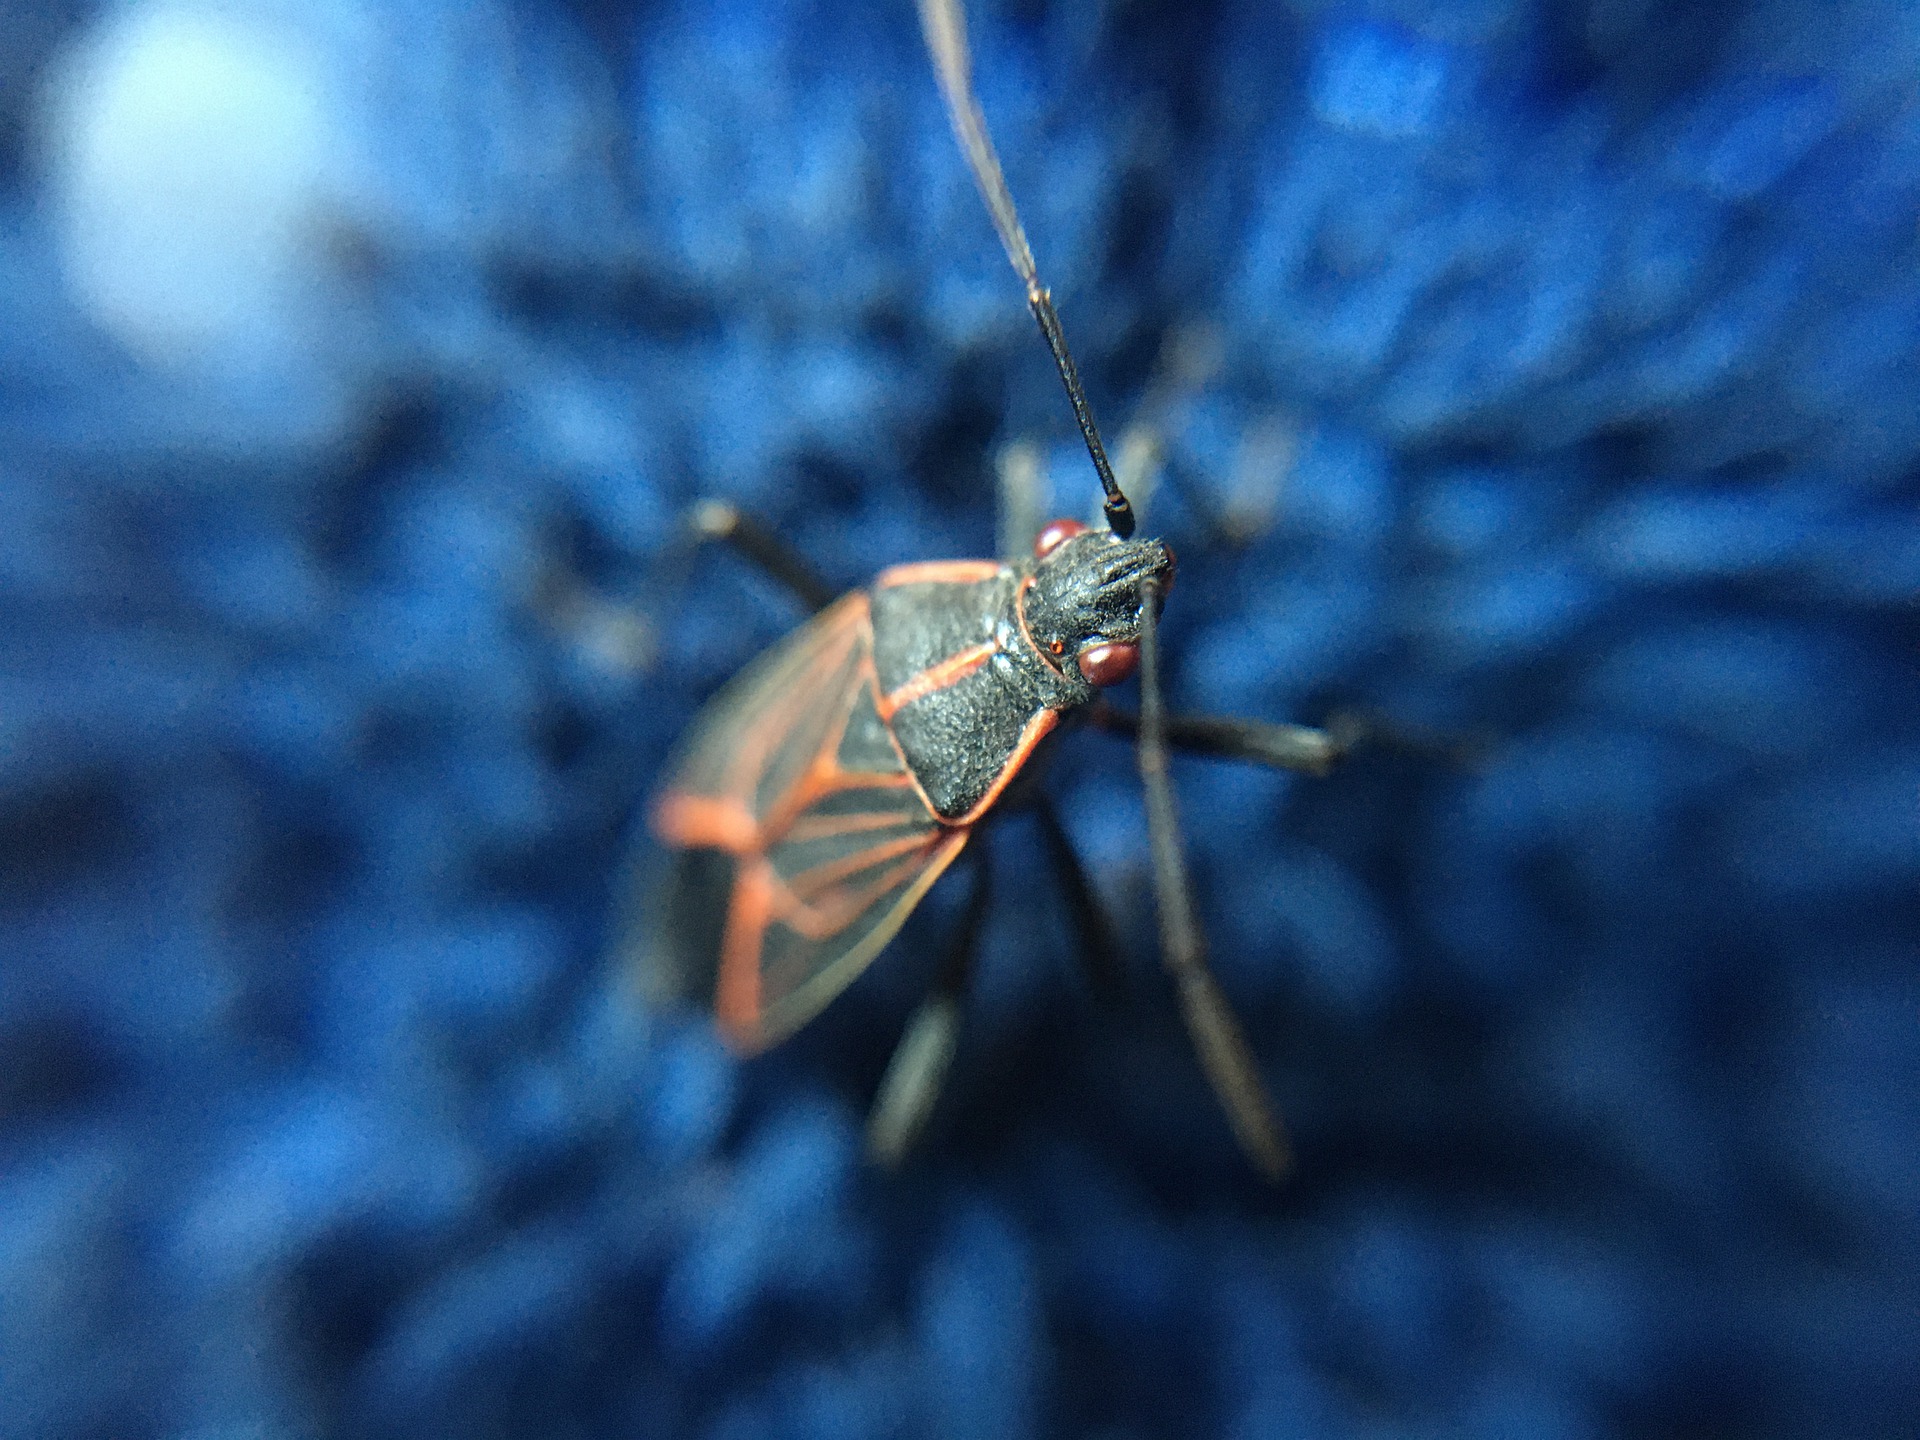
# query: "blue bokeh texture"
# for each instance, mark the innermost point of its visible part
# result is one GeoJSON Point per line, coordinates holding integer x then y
{"type": "Point", "coordinates": [1541, 375]}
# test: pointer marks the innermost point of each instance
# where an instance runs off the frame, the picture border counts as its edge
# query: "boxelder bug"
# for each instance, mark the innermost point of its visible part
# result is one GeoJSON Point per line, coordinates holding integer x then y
{"type": "Point", "coordinates": [824, 790]}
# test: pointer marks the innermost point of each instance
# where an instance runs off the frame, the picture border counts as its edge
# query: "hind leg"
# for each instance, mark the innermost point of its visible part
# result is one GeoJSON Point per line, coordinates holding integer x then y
{"type": "Point", "coordinates": [919, 1064]}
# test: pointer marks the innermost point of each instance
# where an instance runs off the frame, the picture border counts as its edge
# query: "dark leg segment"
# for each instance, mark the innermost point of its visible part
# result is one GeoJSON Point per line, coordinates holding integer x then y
{"type": "Point", "coordinates": [1099, 949]}
{"type": "Point", "coordinates": [1298, 747]}
{"type": "Point", "coordinates": [1216, 1034]}
{"type": "Point", "coordinates": [719, 520]}
{"type": "Point", "coordinates": [1289, 747]}
{"type": "Point", "coordinates": [920, 1060]}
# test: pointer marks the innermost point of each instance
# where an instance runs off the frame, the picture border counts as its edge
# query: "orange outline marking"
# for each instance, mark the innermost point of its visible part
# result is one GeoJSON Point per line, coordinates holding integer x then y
{"type": "Point", "coordinates": [825, 778]}
{"type": "Point", "coordinates": [821, 919]}
{"type": "Point", "coordinates": [716, 822]}
{"type": "Point", "coordinates": [834, 827]}
{"type": "Point", "coordinates": [1036, 730]}
{"type": "Point", "coordinates": [938, 572]}
{"type": "Point", "coordinates": [736, 996]}
{"type": "Point", "coordinates": [835, 641]}
{"type": "Point", "coordinates": [811, 884]}
{"type": "Point", "coordinates": [936, 678]}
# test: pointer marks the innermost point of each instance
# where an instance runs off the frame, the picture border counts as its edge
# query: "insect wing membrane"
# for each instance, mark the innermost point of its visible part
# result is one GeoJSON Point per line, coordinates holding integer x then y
{"type": "Point", "coordinates": [800, 842]}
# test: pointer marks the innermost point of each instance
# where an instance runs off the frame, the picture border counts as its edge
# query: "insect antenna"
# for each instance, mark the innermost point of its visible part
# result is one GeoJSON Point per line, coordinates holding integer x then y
{"type": "Point", "coordinates": [945, 27]}
{"type": "Point", "coordinates": [1216, 1034]}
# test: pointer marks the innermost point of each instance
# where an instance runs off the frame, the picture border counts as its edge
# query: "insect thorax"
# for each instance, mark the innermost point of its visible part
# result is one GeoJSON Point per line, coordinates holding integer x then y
{"type": "Point", "coordinates": [961, 687]}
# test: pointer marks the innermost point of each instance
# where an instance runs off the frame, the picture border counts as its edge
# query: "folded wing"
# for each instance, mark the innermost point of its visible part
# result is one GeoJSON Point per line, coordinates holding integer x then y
{"type": "Point", "coordinates": [799, 841]}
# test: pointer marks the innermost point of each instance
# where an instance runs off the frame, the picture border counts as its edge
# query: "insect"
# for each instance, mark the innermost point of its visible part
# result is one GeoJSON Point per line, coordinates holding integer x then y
{"type": "Point", "coordinates": [821, 793]}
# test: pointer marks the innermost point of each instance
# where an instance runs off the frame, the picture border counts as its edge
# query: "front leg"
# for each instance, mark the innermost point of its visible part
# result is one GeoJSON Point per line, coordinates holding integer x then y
{"type": "Point", "coordinates": [1295, 747]}
{"type": "Point", "coordinates": [919, 1064]}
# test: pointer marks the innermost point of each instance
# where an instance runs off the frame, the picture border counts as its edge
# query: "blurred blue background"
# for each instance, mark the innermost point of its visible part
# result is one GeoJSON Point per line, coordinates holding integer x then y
{"type": "Point", "coordinates": [355, 360]}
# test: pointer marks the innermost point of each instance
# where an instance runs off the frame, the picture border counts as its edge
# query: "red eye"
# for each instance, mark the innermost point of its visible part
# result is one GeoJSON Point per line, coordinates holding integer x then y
{"type": "Point", "coordinates": [1108, 664]}
{"type": "Point", "coordinates": [1057, 533]}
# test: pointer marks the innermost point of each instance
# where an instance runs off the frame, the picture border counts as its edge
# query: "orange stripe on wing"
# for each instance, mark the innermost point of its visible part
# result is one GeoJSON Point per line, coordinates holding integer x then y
{"type": "Point", "coordinates": [835, 827]}
{"type": "Point", "coordinates": [937, 572]}
{"type": "Point", "coordinates": [736, 996]}
{"type": "Point", "coordinates": [836, 632]}
{"type": "Point", "coordinates": [913, 877]}
{"type": "Point", "coordinates": [721, 823]}
{"type": "Point", "coordinates": [827, 915]}
{"type": "Point", "coordinates": [810, 884]}
{"type": "Point", "coordinates": [937, 677]}
{"type": "Point", "coordinates": [824, 779]}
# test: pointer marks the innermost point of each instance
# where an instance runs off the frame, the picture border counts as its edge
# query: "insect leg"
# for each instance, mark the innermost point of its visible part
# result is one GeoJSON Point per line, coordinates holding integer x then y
{"type": "Point", "coordinates": [920, 1060]}
{"type": "Point", "coordinates": [1297, 747]}
{"type": "Point", "coordinates": [1216, 1033]}
{"type": "Point", "coordinates": [1098, 948]}
{"type": "Point", "coordinates": [727, 523]}
{"type": "Point", "coordinates": [1288, 747]}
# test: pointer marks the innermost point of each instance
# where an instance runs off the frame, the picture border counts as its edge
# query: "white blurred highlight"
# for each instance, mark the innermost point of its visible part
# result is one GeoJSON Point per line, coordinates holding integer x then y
{"type": "Point", "coordinates": [197, 173]}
